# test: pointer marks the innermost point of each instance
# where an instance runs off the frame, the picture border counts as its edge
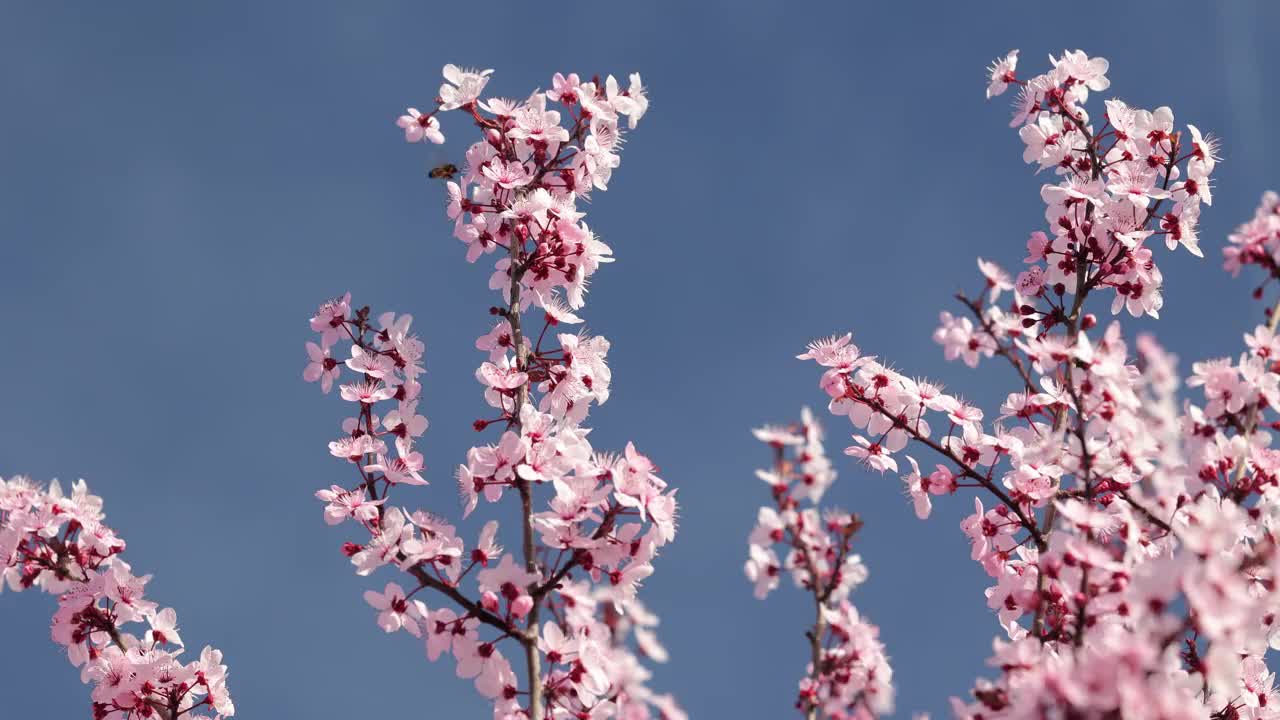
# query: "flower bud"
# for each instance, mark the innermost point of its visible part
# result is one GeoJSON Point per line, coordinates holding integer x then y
{"type": "Point", "coordinates": [521, 606]}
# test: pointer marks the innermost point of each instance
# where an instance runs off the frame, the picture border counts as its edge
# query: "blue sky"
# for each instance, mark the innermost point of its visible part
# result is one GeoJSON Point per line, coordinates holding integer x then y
{"type": "Point", "coordinates": [183, 182]}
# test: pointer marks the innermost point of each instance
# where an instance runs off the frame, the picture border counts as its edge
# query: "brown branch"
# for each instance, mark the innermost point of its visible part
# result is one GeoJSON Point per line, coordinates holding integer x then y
{"type": "Point", "coordinates": [1007, 351]}
{"type": "Point", "coordinates": [966, 470]}
{"type": "Point", "coordinates": [531, 653]}
{"type": "Point", "coordinates": [473, 608]}
{"type": "Point", "coordinates": [1150, 516]}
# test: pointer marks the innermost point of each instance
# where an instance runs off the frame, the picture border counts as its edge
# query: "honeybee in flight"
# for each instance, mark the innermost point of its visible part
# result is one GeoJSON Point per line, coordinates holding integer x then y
{"type": "Point", "coordinates": [446, 171]}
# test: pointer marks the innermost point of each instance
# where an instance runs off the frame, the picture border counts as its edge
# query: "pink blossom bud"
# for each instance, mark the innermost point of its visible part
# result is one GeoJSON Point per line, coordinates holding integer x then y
{"type": "Point", "coordinates": [521, 606]}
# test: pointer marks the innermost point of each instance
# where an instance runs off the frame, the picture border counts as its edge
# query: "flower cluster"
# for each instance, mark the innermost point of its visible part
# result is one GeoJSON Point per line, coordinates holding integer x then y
{"type": "Point", "coordinates": [565, 601]}
{"type": "Point", "coordinates": [848, 674]}
{"type": "Point", "coordinates": [1133, 178]}
{"type": "Point", "coordinates": [1130, 538]}
{"type": "Point", "coordinates": [1257, 242]}
{"type": "Point", "coordinates": [59, 544]}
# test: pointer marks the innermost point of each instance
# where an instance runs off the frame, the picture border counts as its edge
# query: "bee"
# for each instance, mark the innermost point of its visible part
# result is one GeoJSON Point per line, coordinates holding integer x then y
{"type": "Point", "coordinates": [446, 171]}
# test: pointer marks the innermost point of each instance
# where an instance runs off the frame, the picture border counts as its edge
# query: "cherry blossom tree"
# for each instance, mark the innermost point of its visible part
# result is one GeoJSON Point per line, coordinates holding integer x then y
{"type": "Point", "coordinates": [1129, 534]}
{"type": "Point", "coordinates": [553, 629]}
{"type": "Point", "coordinates": [58, 543]}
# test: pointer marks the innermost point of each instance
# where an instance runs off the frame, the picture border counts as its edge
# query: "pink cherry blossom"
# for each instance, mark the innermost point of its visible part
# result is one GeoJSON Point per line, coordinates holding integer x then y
{"type": "Point", "coordinates": [507, 175]}
{"type": "Point", "coordinates": [322, 367]}
{"type": "Point", "coordinates": [367, 392]}
{"type": "Point", "coordinates": [1001, 73]}
{"type": "Point", "coordinates": [462, 87]}
{"type": "Point", "coordinates": [418, 127]}
{"type": "Point", "coordinates": [396, 610]}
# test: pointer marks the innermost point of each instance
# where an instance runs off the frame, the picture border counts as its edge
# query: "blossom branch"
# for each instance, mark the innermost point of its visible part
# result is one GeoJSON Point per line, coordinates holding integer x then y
{"type": "Point", "coordinates": [847, 667]}
{"type": "Point", "coordinates": [1166, 533]}
{"type": "Point", "coordinates": [59, 543]}
{"type": "Point", "coordinates": [518, 192]}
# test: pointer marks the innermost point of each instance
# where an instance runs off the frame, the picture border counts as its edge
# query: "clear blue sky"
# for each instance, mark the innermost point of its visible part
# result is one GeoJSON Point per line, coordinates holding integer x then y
{"type": "Point", "coordinates": [183, 182]}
